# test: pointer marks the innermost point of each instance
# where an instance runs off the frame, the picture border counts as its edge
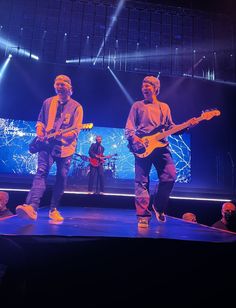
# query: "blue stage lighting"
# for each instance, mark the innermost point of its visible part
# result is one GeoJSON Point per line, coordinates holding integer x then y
{"type": "Point", "coordinates": [4, 66]}
{"type": "Point", "coordinates": [110, 27]}
{"type": "Point", "coordinates": [13, 48]}
{"type": "Point", "coordinates": [127, 95]}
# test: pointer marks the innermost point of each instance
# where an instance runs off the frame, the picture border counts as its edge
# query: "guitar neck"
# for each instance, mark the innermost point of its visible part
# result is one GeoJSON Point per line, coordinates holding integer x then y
{"type": "Point", "coordinates": [106, 156]}
{"type": "Point", "coordinates": [62, 131]}
{"type": "Point", "coordinates": [82, 126]}
{"type": "Point", "coordinates": [177, 128]}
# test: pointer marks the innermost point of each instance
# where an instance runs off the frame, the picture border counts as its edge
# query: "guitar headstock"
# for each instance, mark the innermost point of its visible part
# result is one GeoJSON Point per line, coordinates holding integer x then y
{"type": "Point", "coordinates": [87, 126]}
{"type": "Point", "coordinates": [209, 114]}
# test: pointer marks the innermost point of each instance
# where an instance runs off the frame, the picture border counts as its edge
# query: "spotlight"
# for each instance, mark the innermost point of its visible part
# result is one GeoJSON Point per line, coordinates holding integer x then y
{"type": "Point", "coordinates": [34, 57]}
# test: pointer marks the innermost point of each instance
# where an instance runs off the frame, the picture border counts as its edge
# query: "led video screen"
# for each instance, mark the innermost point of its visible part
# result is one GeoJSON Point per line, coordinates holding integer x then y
{"type": "Point", "coordinates": [15, 158]}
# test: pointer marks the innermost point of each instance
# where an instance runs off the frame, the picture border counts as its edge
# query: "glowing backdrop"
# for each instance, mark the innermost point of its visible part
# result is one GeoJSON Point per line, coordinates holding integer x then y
{"type": "Point", "coordinates": [16, 160]}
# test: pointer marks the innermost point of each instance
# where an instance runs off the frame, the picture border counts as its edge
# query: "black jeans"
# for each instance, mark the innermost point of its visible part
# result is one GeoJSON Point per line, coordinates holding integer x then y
{"type": "Point", "coordinates": [162, 160]}
{"type": "Point", "coordinates": [96, 173]}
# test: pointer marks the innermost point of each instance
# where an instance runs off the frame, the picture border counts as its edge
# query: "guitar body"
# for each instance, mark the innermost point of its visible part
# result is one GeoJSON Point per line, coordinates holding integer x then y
{"type": "Point", "coordinates": [36, 145]}
{"type": "Point", "coordinates": [156, 140]}
{"type": "Point", "coordinates": [95, 162]}
{"type": "Point", "coordinates": [148, 145]}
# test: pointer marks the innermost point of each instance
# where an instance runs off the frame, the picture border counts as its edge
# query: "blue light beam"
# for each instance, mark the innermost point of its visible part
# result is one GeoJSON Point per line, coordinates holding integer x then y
{"type": "Point", "coordinates": [4, 67]}
{"type": "Point", "coordinates": [110, 27]}
{"type": "Point", "coordinates": [10, 46]}
{"type": "Point", "coordinates": [127, 95]}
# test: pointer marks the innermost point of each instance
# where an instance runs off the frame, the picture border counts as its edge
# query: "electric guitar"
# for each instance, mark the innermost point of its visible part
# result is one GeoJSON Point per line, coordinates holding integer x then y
{"type": "Point", "coordinates": [37, 145]}
{"type": "Point", "coordinates": [96, 161]}
{"type": "Point", "coordinates": [147, 144]}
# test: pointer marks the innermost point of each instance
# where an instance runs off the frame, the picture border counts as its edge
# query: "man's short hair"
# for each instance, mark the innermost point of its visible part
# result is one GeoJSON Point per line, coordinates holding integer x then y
{"type": "Point", "coordinates": [154, 81]}
{"type": "Point", "coordinates": [63, 78]}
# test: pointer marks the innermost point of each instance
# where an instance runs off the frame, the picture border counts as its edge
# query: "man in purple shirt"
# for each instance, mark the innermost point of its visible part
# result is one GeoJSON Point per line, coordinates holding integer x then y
{"type": "Point", "coordinates": [147, 117]}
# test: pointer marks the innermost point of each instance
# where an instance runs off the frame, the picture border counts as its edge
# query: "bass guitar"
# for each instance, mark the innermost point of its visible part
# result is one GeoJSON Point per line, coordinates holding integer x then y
{"type": "Point", "coordinates": [96, 161]}
{"type": "Point", "coordinates": [147, 144]}
{"type": "Point", "coordinates": [37, 145]}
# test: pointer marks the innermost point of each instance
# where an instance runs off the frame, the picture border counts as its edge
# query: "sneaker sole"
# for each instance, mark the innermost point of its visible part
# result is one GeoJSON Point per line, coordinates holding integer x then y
{"type": "Point", "coordinates": [53, 222]}
{"type": "Point", "coordinates": [143, 226]}
{"type": "Point", "coordinates": [20, 212]}
{"type": "Point", "coordinates": [56, 220]}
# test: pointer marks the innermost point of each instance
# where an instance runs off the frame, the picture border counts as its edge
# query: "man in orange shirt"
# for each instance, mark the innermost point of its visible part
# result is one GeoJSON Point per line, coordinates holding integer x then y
{"type": "Point", "coordinates": [59, 112]}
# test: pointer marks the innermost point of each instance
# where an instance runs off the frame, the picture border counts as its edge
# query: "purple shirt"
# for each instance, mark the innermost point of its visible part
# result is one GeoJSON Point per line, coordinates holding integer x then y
{"type": "Point", "coordinates": [144, 117]}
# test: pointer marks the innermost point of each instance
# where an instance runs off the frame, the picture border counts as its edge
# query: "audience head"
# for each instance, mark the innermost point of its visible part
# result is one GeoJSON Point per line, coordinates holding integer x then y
{"type": "Point", "coordinates": [4, 198]}
{"type": "Point", "coordinates": [189, 217]}
{"type": "Point", "coordinates": [228, 212]}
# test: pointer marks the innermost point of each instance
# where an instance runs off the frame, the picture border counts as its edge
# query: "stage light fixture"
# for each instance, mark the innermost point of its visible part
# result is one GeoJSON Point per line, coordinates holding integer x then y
{"type": "Point", "coordinates": [110, 27]}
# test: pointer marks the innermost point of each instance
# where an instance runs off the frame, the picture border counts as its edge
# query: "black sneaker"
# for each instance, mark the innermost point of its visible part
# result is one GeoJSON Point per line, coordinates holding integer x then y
{"type": "Point", "coordinates": [159, 216]}
{"type": "Point", "coordinates": [162, 217]}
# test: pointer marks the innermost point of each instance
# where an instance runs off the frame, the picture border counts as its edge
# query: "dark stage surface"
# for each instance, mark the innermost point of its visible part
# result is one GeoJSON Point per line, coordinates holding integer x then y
{"type": "Point", "coordinates": [110, 223]}
{"type": "Point", "coordinates": [98, 257]}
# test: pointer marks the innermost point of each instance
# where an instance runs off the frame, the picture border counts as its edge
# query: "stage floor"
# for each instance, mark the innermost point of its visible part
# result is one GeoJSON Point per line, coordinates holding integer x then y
{"type": "Point", "coordinates": [110, 223]}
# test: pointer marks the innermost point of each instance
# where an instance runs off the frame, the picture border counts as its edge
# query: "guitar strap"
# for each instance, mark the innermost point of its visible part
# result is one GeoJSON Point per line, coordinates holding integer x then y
{"type": "Point", "coordinates": [52, 114]}
{"type": "Point", "coordinates": [161, 115]}
{"type": "Point", "coordinates": [60, 121]}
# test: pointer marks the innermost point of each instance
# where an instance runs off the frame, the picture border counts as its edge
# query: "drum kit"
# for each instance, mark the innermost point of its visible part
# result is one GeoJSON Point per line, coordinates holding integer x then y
{"type": "Point", "coordinates": [110, 167]}
{"type": "Point", "coordinates": [80, 166]}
